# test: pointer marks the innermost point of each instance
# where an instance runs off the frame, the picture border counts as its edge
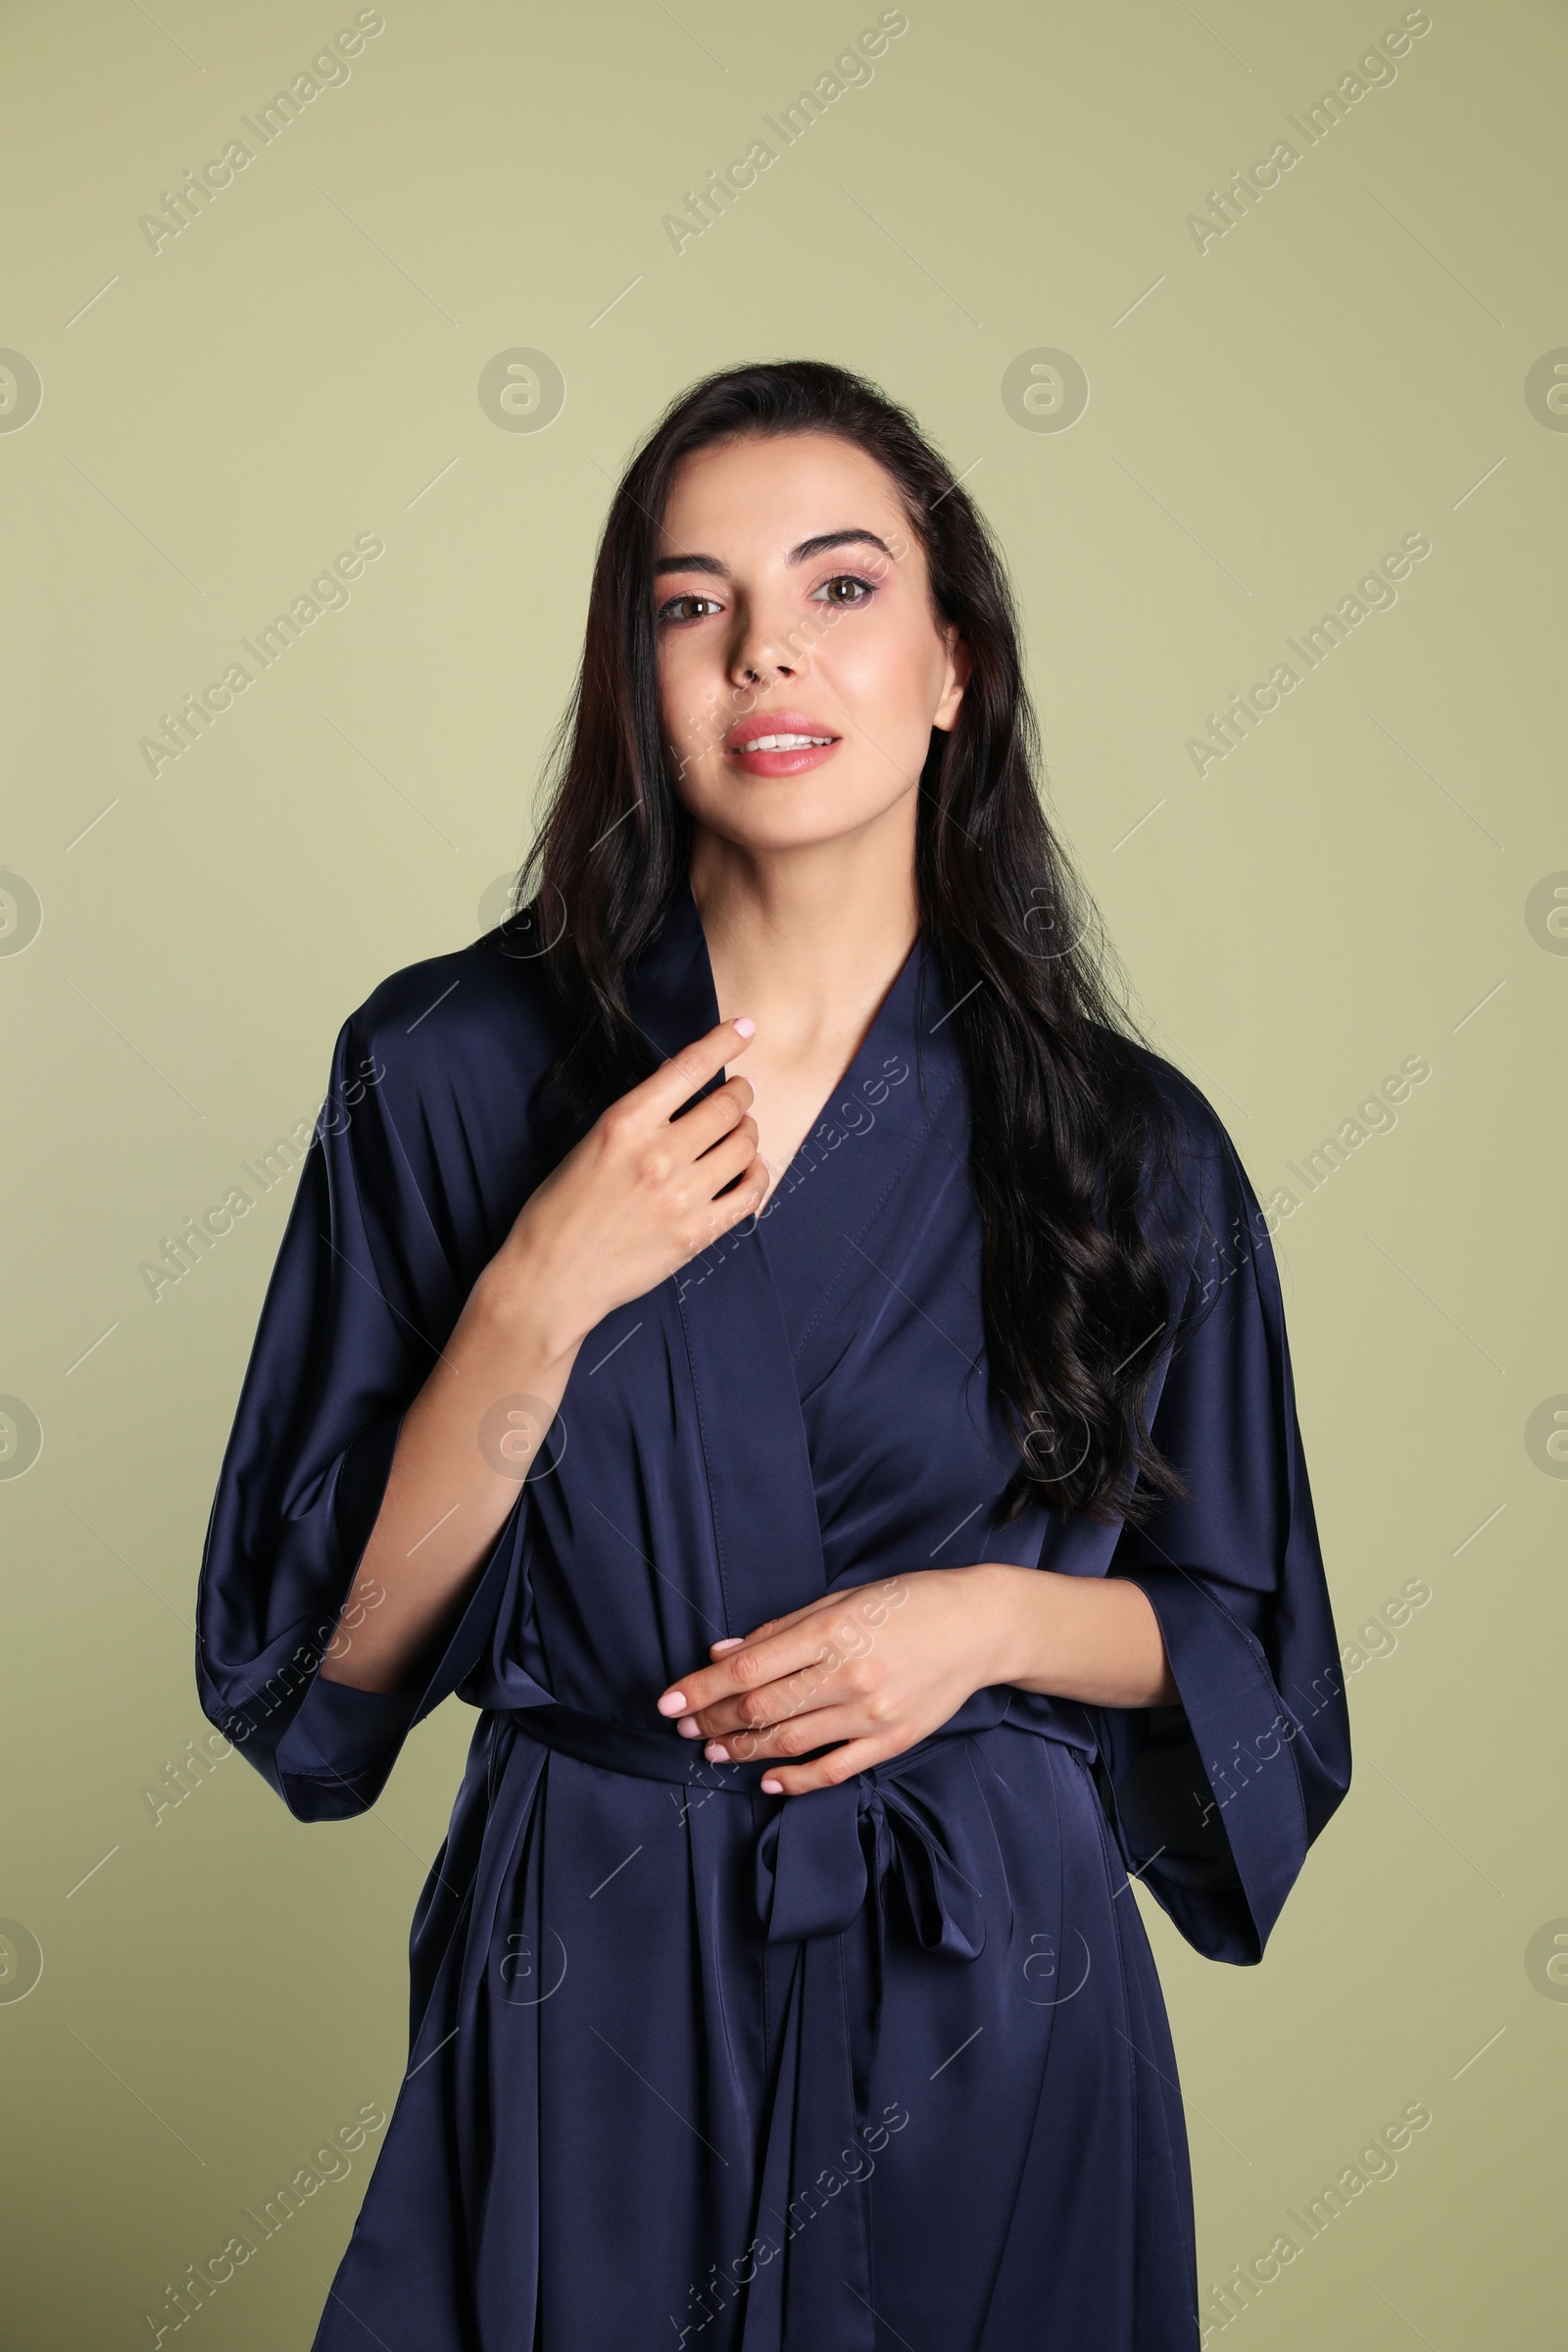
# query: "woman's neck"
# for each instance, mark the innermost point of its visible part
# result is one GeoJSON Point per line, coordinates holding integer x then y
{"type": "Point", "coordinates": [808, 942]}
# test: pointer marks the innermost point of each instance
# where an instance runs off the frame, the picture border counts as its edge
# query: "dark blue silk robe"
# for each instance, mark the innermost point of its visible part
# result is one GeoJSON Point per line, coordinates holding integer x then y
{"type": "Point", "coordinates": [881, 2066]}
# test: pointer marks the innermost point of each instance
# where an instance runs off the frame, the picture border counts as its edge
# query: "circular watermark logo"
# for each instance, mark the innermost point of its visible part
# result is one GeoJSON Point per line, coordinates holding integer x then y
{"type": "Point", "coordinates": [21, 1438]}
{"type": "Point", "coordinates": [1052, 1982]}
{"type": "Point", "coordinates": [523, 935]}
{"type": "Point", "coordinates": [1546, 1960]}
{"type": "Point", "coordinates": [20, 912]}
{"type": "Point", "coordinates": [1546, 914]}
{"type": "Point", "coordinates": [511, 1438]}
{"type": "Point", "coordinates": [522, 391]}
{"type": "Point", "coordinates": [1057, 1449]}
{"type": "Point", "coordinates": [1044, 391]}
{"type": "Point", "coordinates": [21, 391]}
{"type": "Point", "coordinates": [1547, 1436]}
{"type": "Point", "coordinates": [21, 1960]}
{"type": "Point", "coordinates": [1545, 390]}
{"type": "Point", "coordinates": [529, 1975]}
{"type": "Point", "coordinates": [495, 905]}
{"type": "Point", "coordinates": [1054, 929]}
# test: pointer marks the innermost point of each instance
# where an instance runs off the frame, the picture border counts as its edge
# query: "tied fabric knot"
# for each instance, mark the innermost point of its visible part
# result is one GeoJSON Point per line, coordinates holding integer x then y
{"type": "Point", "coordinates": [819, 1858]}
{"type": "Point", "coordinates": [813, 1876]}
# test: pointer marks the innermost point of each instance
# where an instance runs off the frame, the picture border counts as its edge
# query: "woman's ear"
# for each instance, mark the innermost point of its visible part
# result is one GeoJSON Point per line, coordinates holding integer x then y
{"type": "Point", "coordinates": [945, 715]}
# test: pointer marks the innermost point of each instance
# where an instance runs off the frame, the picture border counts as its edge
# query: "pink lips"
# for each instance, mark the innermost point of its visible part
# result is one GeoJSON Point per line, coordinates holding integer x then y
{"type": "Point", "coordinates": [779, 763]}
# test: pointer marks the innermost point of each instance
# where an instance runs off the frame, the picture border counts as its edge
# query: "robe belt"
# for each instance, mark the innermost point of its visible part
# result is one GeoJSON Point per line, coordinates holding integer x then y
{"type": "Point", "coordinates": [814, 2292]}
{"type": "Point", "coordinates": [811, 1872]}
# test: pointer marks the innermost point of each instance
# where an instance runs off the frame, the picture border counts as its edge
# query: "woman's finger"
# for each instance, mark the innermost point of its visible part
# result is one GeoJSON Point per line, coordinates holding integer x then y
{"type": "Point", "coordinates": [730, 1208]}
{"type": "Point", "coordinates": [733, 1153]}
{"type": "Point", "coordinates": [715, 1116]}
{"type": "Point", "coordinates": [687, 1072]}
{"type": "Point", "coordinates": [791, 1731]}
{"type": "Point", "coordinates": [861, 1599]}
{"type": "Point", "coordinates": [869, 1604]}
{"type": "Point", "coordinates": [777, 1625]}
{"type": "Point", "coordinates": [786, 1701]}
{"type": "Point", "coordinates": [747, 1672]}
{"type": "Point", "coordinates": [795, 1735]}
{"type": "Point", "coordinates": [829, 1771]}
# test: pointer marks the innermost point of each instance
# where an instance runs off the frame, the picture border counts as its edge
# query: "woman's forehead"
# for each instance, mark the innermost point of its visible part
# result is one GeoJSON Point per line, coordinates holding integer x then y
{"type": "Point", "coordinates": [774, 497]}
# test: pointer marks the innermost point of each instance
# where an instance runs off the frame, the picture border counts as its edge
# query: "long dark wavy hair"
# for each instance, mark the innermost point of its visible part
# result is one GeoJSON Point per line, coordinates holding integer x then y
{"type": "Point", "coordinates": [1069, 1121]}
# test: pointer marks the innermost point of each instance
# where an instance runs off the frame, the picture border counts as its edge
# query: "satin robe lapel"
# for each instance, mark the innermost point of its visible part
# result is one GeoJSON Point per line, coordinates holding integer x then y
{"type": "Point", "coordinates": [897, 1119]}
{"type": "Point", "coordinates": [769, 1544]}
{"type": "Point", "coordinates": [768, 1537]}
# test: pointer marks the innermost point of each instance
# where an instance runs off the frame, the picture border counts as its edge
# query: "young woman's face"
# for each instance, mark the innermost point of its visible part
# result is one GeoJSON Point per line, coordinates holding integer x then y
{"type": "Point", "coordinates": [792, 601]}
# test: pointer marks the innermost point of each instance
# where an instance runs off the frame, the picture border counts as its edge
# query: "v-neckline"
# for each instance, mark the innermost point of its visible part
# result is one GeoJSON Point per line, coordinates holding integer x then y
{"type": "Point", "coordinates": [727, 1303]}
{"type": "Point", "coordinates": [676, 986]}
{"type": "Point", "coordinates": [851, 1073]}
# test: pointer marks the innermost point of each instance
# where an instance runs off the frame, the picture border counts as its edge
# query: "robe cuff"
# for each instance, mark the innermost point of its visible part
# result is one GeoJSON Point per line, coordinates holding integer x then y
{"type": "Point", "coordinates": [334, 1759]}
{"type": "Point", "coordinates": [338, 1752]}
{"type": "Point", "coordinates": [1208, 1799]}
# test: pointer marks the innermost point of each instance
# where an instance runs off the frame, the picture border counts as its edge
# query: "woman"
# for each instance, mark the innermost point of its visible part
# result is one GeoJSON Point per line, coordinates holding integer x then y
{"type": "Point", "coordinates": [863, 1496]}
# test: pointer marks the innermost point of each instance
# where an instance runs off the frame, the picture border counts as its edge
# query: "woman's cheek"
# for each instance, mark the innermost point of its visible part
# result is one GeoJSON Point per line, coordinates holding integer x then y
{"type": "Point", "coordinates": [678, 710]}
{"type": "Point", "coordinates": [886, 690]}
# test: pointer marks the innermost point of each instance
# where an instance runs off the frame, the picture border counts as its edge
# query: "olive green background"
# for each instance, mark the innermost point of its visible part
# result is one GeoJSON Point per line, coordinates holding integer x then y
{"type": "Point", "coordinates": [224, 1986]}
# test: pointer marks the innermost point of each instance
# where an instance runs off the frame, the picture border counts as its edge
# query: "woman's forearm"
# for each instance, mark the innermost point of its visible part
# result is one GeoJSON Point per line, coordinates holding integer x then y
{"type": "Point", "coordinates": [1095, 1638]}
{"type": "Point", "coordinates": [636, 1197]}
{"type": "Point", "coordinates": [461, 1457]}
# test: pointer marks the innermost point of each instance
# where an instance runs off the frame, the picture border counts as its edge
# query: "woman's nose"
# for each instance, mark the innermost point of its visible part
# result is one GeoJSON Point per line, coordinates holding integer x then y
{"type": "Point", "coordinates": [761, 653]}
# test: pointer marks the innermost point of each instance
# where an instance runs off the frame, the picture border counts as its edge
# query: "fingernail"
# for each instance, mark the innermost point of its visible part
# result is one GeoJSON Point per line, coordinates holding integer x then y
{"type": "Point", "coordinates": [746, 1025]}
{"type": "Point", "coordinates": [772, 1788]}
{"type": "Point", "coordinates": [730, 1641]}
{"type": "Point", "coordinates": [673, 1702]}
{"type": "Point", "coordinates": [716, 1752]}
{"type": "Point", "coordinates": [688, 1726]}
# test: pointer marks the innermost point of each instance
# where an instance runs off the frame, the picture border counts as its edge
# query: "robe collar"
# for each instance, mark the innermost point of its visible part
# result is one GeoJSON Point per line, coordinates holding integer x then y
{"type": "Point", "coordinates": [673, 1000]}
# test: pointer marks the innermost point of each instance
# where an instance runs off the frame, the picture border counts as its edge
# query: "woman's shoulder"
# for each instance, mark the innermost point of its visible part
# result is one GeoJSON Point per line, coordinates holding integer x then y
{"type": "Point", "coordinates": [1196, 1124]}
{"type": "Point", "coordinates": [487, 1013]}
{"type": "Point", "coordinates": [1196, 1167]}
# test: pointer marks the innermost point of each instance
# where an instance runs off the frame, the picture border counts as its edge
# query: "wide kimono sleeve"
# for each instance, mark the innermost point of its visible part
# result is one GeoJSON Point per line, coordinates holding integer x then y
{"type": "Point", "coordinates": [1215, 1801]}
{"type": "Point", "coordinates": [366, 1290]}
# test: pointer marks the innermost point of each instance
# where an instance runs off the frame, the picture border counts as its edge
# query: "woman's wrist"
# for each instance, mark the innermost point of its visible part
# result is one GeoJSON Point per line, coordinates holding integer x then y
{"type": "Point", "coordinates": [519, 1304]}
{"type": "Point", "coordinates": [1014, 1622]}
{"type": "Point", "coordinates": [1091, 1639]}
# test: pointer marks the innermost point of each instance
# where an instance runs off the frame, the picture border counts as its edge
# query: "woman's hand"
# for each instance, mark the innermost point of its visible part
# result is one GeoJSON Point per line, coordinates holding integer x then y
{"type": "Point", "coordinates": [637, 1197]}
{"type": "Point", "coordinates": [634, 1200]}
{"type": "Point", "coordinates": [878, 1668]}
{"type": "Point", "coordinates": [875, 1668]}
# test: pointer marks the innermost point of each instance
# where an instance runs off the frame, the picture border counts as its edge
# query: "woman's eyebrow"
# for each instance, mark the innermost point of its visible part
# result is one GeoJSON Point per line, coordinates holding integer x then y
{"type": "Point", "coordinates": [826, 539]}
{"type": "Point", "coordinates": [798, 554]}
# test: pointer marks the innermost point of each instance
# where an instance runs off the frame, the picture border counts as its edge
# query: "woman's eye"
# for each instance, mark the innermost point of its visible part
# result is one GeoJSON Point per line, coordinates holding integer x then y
{"type": "Point", "coordinates": [863, 590]}
{"type": "Point", "coordinates": [673, 610]}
